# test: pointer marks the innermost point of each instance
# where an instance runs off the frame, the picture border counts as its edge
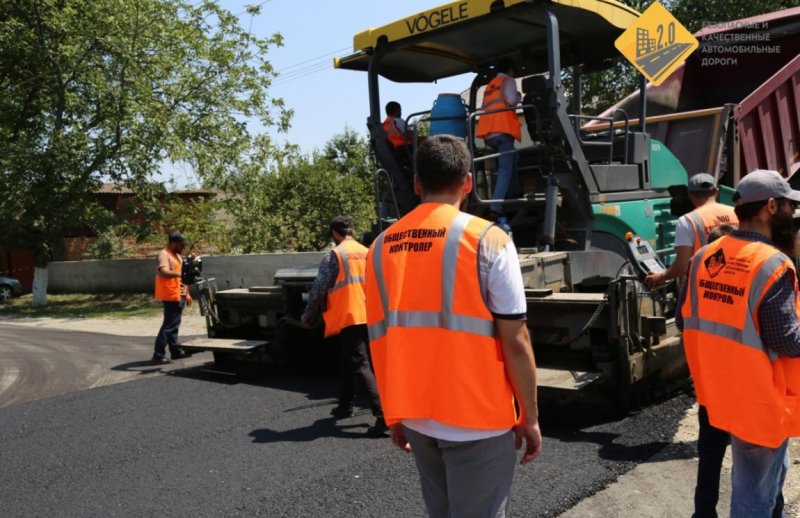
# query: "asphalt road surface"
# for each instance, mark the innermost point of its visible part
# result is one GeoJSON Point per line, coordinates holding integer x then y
{"type": "Point", "coordinates": [194, 442]}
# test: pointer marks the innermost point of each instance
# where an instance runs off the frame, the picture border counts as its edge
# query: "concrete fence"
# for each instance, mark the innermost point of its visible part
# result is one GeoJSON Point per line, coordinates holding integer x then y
{"type": "Point", "coordinates": [137, 275]}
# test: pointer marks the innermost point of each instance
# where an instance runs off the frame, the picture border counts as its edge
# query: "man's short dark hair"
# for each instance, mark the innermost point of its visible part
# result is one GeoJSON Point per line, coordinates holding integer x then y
{"type": "Point", "coordinates": [393, 108]}
{"type": "Point", "coordinates": [342, 225]}
{"type": "Point", "coordinates": [443, 162]}
{"type": "Point", "coordinates": [748, 211]}
{"type": "Point", "coordinates": [176, 237]}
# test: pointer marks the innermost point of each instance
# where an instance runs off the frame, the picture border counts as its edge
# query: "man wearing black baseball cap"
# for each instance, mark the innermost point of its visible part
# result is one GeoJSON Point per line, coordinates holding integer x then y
{"type": "Point", "coordinates": [174, 295]}
{"type": "Point", "coordinates": [739, 316]}
{"type": "Point", "coordinates": [338, 292]}
{"type": "Point", "coordinates": [692, 229]}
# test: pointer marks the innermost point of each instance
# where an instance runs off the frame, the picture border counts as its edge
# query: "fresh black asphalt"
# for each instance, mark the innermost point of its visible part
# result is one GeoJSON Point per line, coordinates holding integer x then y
{"type": "Point", "coordinates": [200, 443]}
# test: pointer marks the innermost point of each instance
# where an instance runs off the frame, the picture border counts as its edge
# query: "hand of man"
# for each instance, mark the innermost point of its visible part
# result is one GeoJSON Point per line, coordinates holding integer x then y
{"type": "Point", "coordinates": [399, 437]}
{"type": "Point", "coordinates": [304, 321]}
{"type": "Point", "coordinates": [653, 279]}
{"type": "Point", "coordinates": [533, 439]}
{"type": "Point", "coordinates": [188, 299]}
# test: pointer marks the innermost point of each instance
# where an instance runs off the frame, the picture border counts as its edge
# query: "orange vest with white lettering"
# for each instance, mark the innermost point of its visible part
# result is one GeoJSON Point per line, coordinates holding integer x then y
{"type": "Point", "coordinates": [346, 305]}
{"type": "Point", "coordinates": [500, 122]}
{"type": "Point", "coordinates": [169, 289]}
{"type": "Point", "coordinates": [396, 137]}
{"type": "Point", "coordinates": [433, 340]}
{"type": "Point", "coordinates": [747, 389]}
{"type": "Point", "coordinates": [706, 218]}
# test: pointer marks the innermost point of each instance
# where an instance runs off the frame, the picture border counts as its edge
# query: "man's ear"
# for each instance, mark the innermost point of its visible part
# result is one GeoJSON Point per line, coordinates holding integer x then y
{"type": "Point", "coordinates": [417, 186]}
{"type": "Point", "coordinates": [468, 184]}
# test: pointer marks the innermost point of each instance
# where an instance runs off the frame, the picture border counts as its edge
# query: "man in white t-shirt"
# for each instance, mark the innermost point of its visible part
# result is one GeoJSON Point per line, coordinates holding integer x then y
{"type": "Point", "coordinates": [692, 229]}
{"type": "Point", "coordinates": [446, 315]}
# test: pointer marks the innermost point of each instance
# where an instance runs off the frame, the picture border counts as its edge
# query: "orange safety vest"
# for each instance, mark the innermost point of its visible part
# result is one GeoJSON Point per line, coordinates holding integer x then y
{"type": "Point", "coordinates": [433, 341]}
{"type": "Point", "coordinates": [346, 305]}
{"type": "Point", "coordinates": [747, 389]}
{"type": "Point", "coordinates": [396, 137]}
{"type": "Point", "coordinates": [169, 289]}
{"type": "Point", "coordinates": [706, 218]}
{"type": "Point", "coordinates": [499, 122]}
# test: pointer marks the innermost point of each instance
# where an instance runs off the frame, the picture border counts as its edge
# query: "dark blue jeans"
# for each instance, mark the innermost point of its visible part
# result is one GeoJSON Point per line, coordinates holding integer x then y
{"type": "Point", "coordinates": [507, 183]}
{"type": "Point", "coordinates": [168, 334]}
{"type": "Point", "coordinates": [711, 445]}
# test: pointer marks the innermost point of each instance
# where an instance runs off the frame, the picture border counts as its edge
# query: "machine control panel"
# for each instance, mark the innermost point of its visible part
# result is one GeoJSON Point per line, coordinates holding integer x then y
{"type": "Point", "coordinates": [643, 255]}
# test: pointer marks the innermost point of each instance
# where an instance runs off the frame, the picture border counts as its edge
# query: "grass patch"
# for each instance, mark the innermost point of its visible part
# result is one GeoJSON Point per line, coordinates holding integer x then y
{"type": "Point", "coordinates": [84, 305]}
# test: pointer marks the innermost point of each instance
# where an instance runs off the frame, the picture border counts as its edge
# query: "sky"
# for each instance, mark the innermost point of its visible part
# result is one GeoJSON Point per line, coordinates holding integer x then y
{"type": "Point", "coordinates": [325, 100]}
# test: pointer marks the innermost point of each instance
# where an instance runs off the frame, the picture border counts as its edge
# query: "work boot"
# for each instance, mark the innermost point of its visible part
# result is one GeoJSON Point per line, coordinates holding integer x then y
{"type": "Point", "coordinates": [379, 429]}
{"type": "Point", "coordinates": [179, 353]}
{"type": "Point", "coordinates": [502, 222]}
{"type": "Point", "coordinates": [341, 412]}
{"type": "Point", "coordinates": [159, 360]}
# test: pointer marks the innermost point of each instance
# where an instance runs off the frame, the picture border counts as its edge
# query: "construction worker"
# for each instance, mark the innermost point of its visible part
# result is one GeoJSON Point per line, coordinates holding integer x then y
{"type": "Point", "coordinates": [739, 315]}
{"type": "Point", "coordinates": [174, 295]}
{"type": "Point", "coordinates": [395, 126]}
{"type": "Point", "coordinates": [692, 232]}
{"type": "Point", "coordinates": [339, 288]}
{"type": "Point", "coordinates": [446, 314]}
{"type": "Point", "coordinates": [499, 130]}
{"type": "Point", "coordinates": [692, 229]}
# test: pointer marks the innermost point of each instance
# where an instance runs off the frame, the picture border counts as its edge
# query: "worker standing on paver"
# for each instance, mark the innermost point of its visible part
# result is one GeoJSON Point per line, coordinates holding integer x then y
{"type": "Point", "coordinates": [739, 315]}
{"type": "Point", "coordinates": [446, 312]}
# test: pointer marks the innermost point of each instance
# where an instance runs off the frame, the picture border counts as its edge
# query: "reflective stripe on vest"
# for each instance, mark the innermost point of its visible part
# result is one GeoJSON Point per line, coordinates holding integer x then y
{"type": "Point", "coordinates": [444, 319]}
{"type": "Point", "coordinates": [748, 390]}
{"type": "Point", "coordinates": [499, 122]}
{"type": "Point", "coordinates": [707, 217]}
{"type": "Point", "coordinates": [346, 302]}
{"type": "Point", "coordinates": [748, 334]}
{"type": "Point", "coordinates": [396, 137]}
{"type": "Point", "coordinates": [169, 288]}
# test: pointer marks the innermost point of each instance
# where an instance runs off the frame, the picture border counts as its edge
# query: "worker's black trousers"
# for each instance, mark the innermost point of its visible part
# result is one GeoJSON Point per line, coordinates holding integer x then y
{"type": "Point", "coordinates": [356, 367]}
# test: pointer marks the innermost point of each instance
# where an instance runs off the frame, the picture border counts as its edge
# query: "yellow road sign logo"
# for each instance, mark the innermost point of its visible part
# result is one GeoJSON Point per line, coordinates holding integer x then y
{"type": "Point", "coordinates": [656, 43]}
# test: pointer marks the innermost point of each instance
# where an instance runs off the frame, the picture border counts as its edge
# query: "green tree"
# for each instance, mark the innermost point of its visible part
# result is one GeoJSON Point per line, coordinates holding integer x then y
{"type": "Point", "coordinates": [94, 91]}
{"type": "Point", "coordinates": [289, 206]}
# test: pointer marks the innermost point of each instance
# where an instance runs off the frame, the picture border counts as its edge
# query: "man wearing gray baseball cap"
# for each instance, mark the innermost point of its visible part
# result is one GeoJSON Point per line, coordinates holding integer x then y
{"type": "Point", "coordinates": [741, 330]}
{"type": "Point", "coordinates": [692, 229]}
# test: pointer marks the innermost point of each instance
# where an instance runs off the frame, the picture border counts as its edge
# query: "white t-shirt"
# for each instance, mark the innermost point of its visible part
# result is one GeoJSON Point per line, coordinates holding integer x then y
{"type": "Point", "coordinates": [684, 232]}
{"type": "Point", "coordinates": [502, 288]}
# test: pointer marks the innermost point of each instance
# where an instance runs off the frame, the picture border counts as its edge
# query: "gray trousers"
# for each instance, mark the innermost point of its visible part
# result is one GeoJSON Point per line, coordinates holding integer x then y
{"type": "Point", "coordinates": [464, 479]}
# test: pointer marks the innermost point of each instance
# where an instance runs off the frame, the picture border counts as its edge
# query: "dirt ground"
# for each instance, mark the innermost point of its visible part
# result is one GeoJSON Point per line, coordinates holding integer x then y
{"type": "Point", "coordinates": [661, 487]}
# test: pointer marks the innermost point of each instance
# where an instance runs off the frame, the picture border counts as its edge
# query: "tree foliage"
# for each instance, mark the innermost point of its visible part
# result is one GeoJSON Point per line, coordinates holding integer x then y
{"type": "Point", "coordinates": [108, 90]}
{"type": "Point", "coordinates": [289, 206]}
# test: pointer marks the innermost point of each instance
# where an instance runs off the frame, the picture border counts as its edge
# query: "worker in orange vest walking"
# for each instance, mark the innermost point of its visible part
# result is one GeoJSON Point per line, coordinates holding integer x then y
{"type": "Point", "coordinates": [446, 312]}
{"type": "Point", "coordinates": [174, 295]}
{"type": "Point", "coordinates": [499, 130]}
{"type": "Point", "coordinates": [339, 289]}
{"type": "Point", "coordinates": [739, 315]}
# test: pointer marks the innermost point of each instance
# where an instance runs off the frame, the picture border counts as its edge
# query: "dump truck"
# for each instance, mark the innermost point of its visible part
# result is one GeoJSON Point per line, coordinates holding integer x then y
{"type": "Point", "coordinates": [601, 196]}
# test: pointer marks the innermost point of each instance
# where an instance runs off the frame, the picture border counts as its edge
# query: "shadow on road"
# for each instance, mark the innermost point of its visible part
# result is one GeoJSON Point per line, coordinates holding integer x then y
{"type": "Point", "coordinates": [140, 366]}
{"type": "Point", "coordinates": [322, 428]}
